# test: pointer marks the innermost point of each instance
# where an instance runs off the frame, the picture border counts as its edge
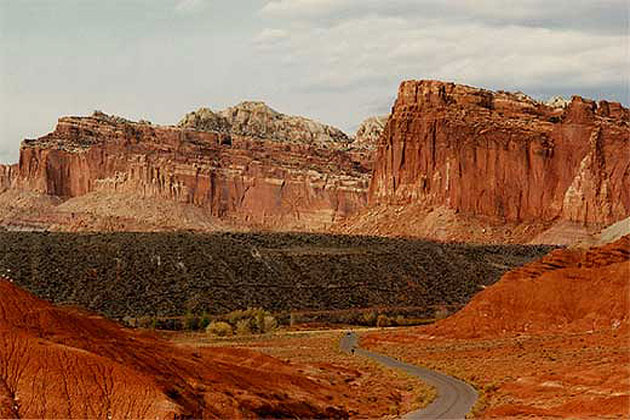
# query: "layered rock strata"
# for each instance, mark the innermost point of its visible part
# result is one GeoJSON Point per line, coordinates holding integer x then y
{"type": "Point", "coordinates": [504, 155]}
{"type": "Point", "coordinates": [7, 174]}
{"type": "Point", "coordinates": [250, 179]}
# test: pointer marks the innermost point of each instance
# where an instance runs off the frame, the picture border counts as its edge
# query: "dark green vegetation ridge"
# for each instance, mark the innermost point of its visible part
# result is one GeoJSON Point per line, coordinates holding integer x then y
{"type": "Point", "coordinates": [169, 274]}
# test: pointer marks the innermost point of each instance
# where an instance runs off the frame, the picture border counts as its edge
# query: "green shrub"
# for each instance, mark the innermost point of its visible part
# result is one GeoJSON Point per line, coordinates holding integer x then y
{"type": "Point", "coordinates": [204, 321]}
{"type": "Point", "coordinates": [191, 322]}
{"type": "Point", "coordinates": [219, 328]}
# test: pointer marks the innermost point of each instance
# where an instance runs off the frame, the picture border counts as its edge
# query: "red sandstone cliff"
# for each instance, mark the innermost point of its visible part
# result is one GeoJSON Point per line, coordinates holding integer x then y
{"type": "Point", "coordinates": [504, 155]}
{"type": "Point", "coordinates": [7, 174]}
{"type": "Point", "coordinates": [250, 180]}
{"type": "Point", "coordinates": [453, 163]}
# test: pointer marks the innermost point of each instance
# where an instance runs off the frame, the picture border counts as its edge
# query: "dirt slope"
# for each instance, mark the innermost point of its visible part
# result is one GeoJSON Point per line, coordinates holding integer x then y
{"type": "Point", "coordinates": [568, 290]}
{"type": "Point", "coordinates": [64, 363]}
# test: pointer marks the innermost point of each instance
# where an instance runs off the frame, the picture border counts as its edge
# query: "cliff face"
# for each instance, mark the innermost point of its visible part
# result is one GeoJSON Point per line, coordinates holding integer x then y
{"type": "Point", "coordinates": [254, 180]}
{"type": "Point", "coordinates": [504, 155]}
{"type": "Point", "coordinates": [454, 152]}
{"type": "Point", "coordinates": [7, 173]}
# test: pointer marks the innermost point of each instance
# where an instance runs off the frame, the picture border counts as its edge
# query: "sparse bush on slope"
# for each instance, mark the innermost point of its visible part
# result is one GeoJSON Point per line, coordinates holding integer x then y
{"type": "Point", "coordinates": [170, 274]}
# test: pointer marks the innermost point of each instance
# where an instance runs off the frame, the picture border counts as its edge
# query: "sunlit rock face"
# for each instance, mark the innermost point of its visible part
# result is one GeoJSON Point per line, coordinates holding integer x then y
{"type": "Point", "coordinates": [250, 174]}
{"type": "Point", "coordinates": [504, 155]}
{"type": "Point", "coordinates": [256, 119]}
{"type": "Point", "coordinates": [370, 131]}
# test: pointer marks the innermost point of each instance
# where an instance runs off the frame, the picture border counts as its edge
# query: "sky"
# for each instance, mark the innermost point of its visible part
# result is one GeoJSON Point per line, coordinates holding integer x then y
{"type": "Point", "coordinates": [337, 61]}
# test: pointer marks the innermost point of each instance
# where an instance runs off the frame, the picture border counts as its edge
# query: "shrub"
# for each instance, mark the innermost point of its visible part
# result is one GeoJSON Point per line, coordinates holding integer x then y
{"type": "Point", "coordinates": [204, 321]}
{"type": "Point", "coordinates": [243, 327]}
{"type": "Point", "coordinates": [383, 321]}
{"type": "Point", "coordinates": [269, 324]}
{"type": "Point", "coordinates": [219, 328]}
{"type": "Point", "coordinates": [145, 322]}
{"type": "Point", "coordinates": [252, 320]}
{"type": "Point", "coordinates": [191, 322]}
{"type": "Point", "coordinates": [441, 313]}
{"type": "Point", "coordinates": [369, 318]}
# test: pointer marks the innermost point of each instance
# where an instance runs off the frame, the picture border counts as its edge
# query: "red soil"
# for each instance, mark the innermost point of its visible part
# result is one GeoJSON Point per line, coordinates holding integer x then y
{"type": "Point", "coordinates": [567, 290]}
{"type": "Point", "coordinates": [549, 339]}
{"type": "Point", "coordinates": [65, 363]}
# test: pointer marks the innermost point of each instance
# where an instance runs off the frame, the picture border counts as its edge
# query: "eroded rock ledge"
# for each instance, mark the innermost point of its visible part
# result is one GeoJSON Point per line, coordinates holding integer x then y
{"type": "Point", "coordinates": [248, 178]}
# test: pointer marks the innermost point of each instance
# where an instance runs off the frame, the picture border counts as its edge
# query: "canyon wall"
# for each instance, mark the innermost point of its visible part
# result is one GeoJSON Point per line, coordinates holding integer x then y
{"type": "Point", "coordinates": [504, 155]}
{"type": "Point", "coordinates": [453, 156]}
{"type": "Point", "coordinates": [265, 182]}
{"type": "Point", "coordinates": [7, 174]}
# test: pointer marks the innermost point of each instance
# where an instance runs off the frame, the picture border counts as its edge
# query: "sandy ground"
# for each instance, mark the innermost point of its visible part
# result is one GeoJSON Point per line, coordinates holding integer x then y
{"type": "Point", "coordinates": [576, 375]}
{"type": "Point", "coordinates": [375, 391]}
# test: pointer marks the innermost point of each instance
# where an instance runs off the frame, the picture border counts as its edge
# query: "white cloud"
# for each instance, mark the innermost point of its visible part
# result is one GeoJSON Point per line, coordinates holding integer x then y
{"type": "Point", "coordinates": [302, 7]}
{"type": "Point", "coordinates": [367, 47]}
{"type": "Point", "coordinates": [269, 37]}
{"type": "Point", "coordinates": [600, 15]}
{"type": "Point", "coordinates": [189, 6]}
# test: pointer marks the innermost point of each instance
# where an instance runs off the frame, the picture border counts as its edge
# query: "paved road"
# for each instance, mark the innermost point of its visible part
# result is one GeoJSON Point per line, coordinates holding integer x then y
{"type": "Point", "coordinates": [455, 398]}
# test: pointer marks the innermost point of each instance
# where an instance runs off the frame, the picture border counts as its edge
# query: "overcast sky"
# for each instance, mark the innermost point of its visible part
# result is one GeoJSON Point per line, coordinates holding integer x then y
{"type": "Point", "coordinates": [337, 61]}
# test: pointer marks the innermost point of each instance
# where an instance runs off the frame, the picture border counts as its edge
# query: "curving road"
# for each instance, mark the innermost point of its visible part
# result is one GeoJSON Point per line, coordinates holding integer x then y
{"type": "Point", "coordinates": [455, 398]}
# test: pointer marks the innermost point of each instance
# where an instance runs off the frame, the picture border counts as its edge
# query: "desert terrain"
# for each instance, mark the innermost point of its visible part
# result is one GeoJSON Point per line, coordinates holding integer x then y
{"type": "Point", "coordinates": [499, 220]}
{"type": "Point", "coordinates": [551, 339]}
{"type": "Point", "coordinates": [452, 163]}
{"type": "Point", "coordinates": [68, 363]}
{"type": "Point", "coordinates": [314, 209]}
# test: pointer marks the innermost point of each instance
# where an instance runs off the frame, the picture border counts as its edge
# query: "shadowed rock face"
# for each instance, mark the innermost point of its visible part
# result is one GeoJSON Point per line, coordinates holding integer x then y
{"type": "Point", "coordinates": [249, 179]}
{"type": "Point", "coordinates": [504, 155]}
{"type": "Point", "coordinates": [7, 173]}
